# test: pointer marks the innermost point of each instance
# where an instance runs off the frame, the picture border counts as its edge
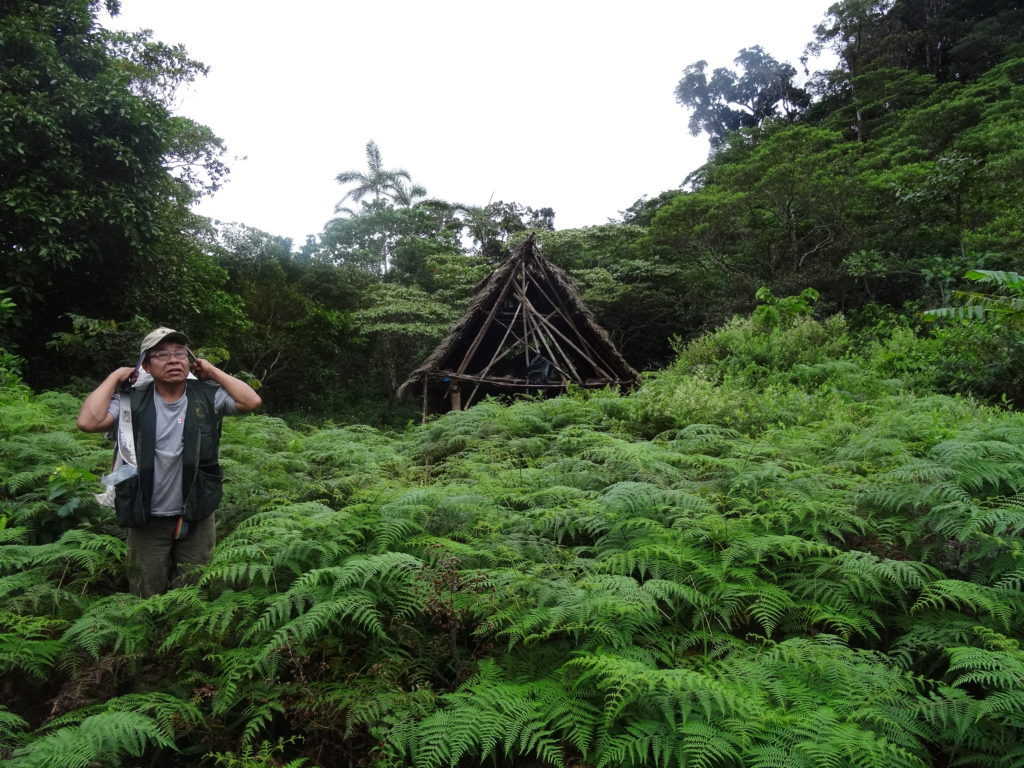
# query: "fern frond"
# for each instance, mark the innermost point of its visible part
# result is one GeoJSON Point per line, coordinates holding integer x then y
{"type": "Point", "coordinates": [1001, 604]}
{"type": "Point", "coordinates": [116, 623]}
{"type": "Point", "coordinates": [20, 482]}
{"type": "Point", "coordinates": [216, 620]}
{"type": "Point", "coordinates": [262, 756]}
{"type": "Point", "coordinates": [28, 644]}
{"type": "Point", "coordinates": [361, 570]}
{"type": "Point", "coordinates": [641, 742]}
{"type": "Point", "coordinates": [753, 550]}
{"type": "Point", "coordinates": [168, 712]}
{"type": "Point", "coordinates": [313, 617]}
{"type": "Point", "coordinates": [705, 745]}
{"type": "Point", "coordinates": [258, 715]}
{"type": "Point", "coordinates": [12, 730]}
{"type": "Point", "coordinates": [487, 712]}
{"type": "Point", "coordinates": [989, 668]}
{"type": "Point", "coordinates": [625, 683]}
{"type": "Point", "coordinates": [101, 739]}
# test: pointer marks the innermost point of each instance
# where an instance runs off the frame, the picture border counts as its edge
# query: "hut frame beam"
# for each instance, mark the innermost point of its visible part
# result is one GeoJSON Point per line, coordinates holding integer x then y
{"type": "Point", "coordinates": [558, 309]}
{"type": "Point", "coordinates": [483, 329]}
{"type": "Point", "coordinates": [495, 357]}
{"type": "Point", "coordinates": [556, 330]}
{"type": "Point", "coordinates": [508, 350]}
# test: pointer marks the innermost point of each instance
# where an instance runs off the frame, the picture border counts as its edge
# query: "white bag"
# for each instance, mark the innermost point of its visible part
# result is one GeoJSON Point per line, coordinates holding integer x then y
{"type": "Point", "coordinates": [125, 463]}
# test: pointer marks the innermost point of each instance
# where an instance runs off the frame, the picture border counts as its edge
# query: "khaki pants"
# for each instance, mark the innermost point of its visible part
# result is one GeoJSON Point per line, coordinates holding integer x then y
{"type": "Point", "coordinates": [156, 562]}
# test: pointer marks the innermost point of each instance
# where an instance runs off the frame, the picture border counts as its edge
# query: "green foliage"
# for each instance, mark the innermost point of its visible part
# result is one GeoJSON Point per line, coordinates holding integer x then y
{"type": "Point", "coordinates": [404, 324]}
{"type": "Point", "coordinates": [639, 300]}
{"type": "Point", "coordinates": [774, 312]}
{"type": "Point", "coordinates": [105, 738]}
{"type": "Point", "coordinates": [1007, 307]}
{"type": "Point", "coordinates": [889, 186]}
{"type": "Point", "coordinates": [98, 178]}
{"type": "Point", "coordinates": [980, 337]}
{"type": "Point", "coordinates": [377, 180]}
{"type": "Point", "coordinates": [257, 757]}
{"type": "Point", "coordinates": [727, 101]}
{"type": "Point", "coordinates": [773, 554]}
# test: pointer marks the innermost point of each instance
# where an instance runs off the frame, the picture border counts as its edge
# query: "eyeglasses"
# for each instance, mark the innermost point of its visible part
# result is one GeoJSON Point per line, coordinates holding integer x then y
{"type": "Point", "coordinates": [165, 355]}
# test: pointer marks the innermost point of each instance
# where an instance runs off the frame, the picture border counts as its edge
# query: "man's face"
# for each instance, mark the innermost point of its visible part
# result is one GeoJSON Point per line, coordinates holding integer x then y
{"type": "Point", "coordinates": [167, 362]}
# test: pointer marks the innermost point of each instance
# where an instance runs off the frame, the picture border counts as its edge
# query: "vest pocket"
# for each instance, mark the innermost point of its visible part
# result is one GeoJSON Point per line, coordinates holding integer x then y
{"type": "Point", "coordinates": [206, 494]}
{"type": "Point", "coordinates": [128, 506]}
{"type": "Point", "coordinates": [206, 444]}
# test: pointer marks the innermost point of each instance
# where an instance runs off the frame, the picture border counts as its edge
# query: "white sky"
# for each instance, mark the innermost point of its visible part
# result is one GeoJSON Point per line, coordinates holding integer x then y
{"type": "Point", "coordinates": [560, 103]}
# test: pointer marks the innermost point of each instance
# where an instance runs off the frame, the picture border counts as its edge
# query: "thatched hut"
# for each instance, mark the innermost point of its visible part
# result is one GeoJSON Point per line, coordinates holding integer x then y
{"type": "Point", "coordinates": [525, 332]}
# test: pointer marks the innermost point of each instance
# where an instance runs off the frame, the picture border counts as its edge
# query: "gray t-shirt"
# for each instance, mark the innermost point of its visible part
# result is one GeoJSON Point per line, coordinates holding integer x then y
{"type": "Point", "coordinates": [170, 432]}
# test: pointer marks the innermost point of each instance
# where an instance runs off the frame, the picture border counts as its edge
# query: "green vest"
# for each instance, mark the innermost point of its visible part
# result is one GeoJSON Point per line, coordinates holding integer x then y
{"type": "Point", "coordinates": [202, 481]}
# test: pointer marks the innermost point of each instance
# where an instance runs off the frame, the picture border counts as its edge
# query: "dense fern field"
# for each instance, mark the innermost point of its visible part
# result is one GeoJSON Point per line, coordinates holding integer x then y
{"type": "Point", "coordinates": [776, 554]}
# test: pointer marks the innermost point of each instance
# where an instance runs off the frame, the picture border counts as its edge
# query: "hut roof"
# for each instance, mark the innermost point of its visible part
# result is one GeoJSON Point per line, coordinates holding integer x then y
{"type": "Point", "coordinates": [526, 329]}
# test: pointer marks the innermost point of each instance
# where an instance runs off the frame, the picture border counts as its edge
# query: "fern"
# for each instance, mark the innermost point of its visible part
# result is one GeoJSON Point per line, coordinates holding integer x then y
{"type": "Point", "coordinates": [28, 644]}
{"type": "Point", "coordinates": [999, 668]}
{"type": "Point", "coordinates": [104, 739]}
{"type": "Point", "coordinates": [12, 730]}
{"type": "Point", "coordinates": [214, 622]}
{"type": "Point", "coordinates": [643, 742]}
{"type": "Point", "coordinates": [1001, 604]}
{"type": "Point", "coordinates": [262, 756]}
{"type": "Point", "coordinates": [758, 567]}
{"type": "Point", "coordinates": [488, 712]}
{"type": "Point", "coordinates": [169, 713]}
{"type": "Point", "coordinates": [116, 623]}
{"type": "Point", "coordinates": [625, 683]}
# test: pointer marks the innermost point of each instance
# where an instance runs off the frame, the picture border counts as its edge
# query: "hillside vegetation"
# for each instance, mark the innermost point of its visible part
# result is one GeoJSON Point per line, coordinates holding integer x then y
{"type": "Point", "coordinates": [773, 554]}
{"type": "Point", "coordinates": [878, 182]}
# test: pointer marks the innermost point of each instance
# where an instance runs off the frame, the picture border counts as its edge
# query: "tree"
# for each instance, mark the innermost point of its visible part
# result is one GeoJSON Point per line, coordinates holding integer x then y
{"type": "Point", "coordinates": [728, 101]}
{"type": "Point", "coordinates": [403, 323]}
{"type": "Point", "coordinates": [856, 31]}
{"type": "Point", "coordinates": [639, 299]}
{"type": "Point", "coordinates": [491, 226]}
{"type": "Point", "coordinates": [376, 181]}
{"type": "Point", "coordinates": [405, 195]}
{"type": "Point", "coordinates": [301, 345]}
{"type": "Point", "coordinates": [382, 237]}
{"type": "Point", "coordinates": [98, 175]}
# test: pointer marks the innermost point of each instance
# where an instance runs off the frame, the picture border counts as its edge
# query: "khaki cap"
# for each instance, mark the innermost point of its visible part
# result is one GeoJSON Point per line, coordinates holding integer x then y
{"type": "Point", "coordinates": [161, 334]}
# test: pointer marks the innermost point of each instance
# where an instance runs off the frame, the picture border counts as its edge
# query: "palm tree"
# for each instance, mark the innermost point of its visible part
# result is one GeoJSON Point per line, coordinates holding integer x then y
{"type": "Point", "coordinates": [377, 180]}
{"type": "Point", "coordinates": [405, 195]}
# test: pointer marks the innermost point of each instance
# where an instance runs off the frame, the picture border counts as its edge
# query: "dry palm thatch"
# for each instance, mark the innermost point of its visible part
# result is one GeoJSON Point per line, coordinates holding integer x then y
{"type": "Point", "coordinates": [526, 331]}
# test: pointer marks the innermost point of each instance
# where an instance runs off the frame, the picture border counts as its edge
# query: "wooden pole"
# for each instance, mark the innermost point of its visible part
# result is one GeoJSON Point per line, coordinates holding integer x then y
{"type": "Point", "coordinates": [555, 330]}
{"type": "Point", "coordinates": [565, 361]}
{"type": "Point", "coordinates": [495, 357]}
{"type": "Point", "coordinates": [526, 330]}
{"type": "Point", "coordinates": [558, 309]}
{"type": "Point", "coordinates": [483, 329]}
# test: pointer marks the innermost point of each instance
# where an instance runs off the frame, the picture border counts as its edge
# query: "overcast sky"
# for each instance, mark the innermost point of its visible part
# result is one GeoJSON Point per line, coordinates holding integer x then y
{"type": "Point", "coordinates": [565, 104]}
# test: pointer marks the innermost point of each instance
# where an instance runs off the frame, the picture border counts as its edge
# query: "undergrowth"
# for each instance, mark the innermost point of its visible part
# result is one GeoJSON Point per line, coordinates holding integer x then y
{"type": "Point", "coordinates": [773, 554]}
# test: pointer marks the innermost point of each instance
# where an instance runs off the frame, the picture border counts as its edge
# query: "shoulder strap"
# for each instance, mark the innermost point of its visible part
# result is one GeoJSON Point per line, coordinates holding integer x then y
{"type": "Point", "coordinates": [125, 433]}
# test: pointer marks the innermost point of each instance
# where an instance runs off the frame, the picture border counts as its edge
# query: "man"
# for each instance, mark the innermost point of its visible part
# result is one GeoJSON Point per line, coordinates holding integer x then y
{"type": "Point", "coordinates": [175, 420]}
